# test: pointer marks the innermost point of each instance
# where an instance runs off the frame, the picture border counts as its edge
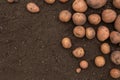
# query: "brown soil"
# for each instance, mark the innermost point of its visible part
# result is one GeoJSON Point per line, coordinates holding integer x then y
{"type": "Point", "coordinates": [30, 46]}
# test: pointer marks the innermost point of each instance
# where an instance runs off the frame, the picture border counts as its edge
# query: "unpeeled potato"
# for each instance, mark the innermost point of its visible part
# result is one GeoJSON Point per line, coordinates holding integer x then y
{"type": "Point", "coordinates": [103, 33]}
{"type": "Point", "coordinates": [32, 7]}
{"type": "Point", "coordinates": [115, 37]}
{"type": "Point", "coordinates": [79, 5]}
{"type": "Point", "coordinates": [117, 23]}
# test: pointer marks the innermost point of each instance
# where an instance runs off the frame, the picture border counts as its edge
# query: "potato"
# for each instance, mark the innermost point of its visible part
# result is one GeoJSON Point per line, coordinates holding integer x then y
{"type": "Point", "coordinates": [94, 19]}
{"type": "Point", "coordinates": [100, 61]}
{"type": "Point", "coordinates": [96, 3]}
{"type": "Point", "coordinates": [109, 15]}
{"type": "Point", "coordinates": [115, 73]}
{"type": "Point", "coordinates": [12, 1]}
{"type": "Point", "coordinates": [84, 64]}
{"type": "Point", "coordinates": [78, 52]}
{"type": "Point", "coordinates": [63, 1]}
{"type": "Point", "coordinates": [79, 6]}
{"type": "Point", "coordinates": [79, 31]}
{"type": "Point", "coordinates": [50, 1]}
{"type": "Point", "coordinates": [117, 23]}
{"type": "Point", "coordinates": [115, 57]}
{"type": "Point", "coordinates": [90, 33]}
{"type": "Point", "coordinates": [78, 70]}
{"type": "Point", "coordinates": [66, 42]}
{"type": "Point", "coordinates": [79, 18]}
{"type": "Point", "coordinates": [65, 16]}
{"type": "Point", "coordinates": [115, 37]}
{"type": "Point", "coordinates": [116, 3]}
{"type": "Point", "coordinates": [103, 33]}
{"type": "Point", "coordinates": [32, 7]}
{"type": "Point", "coordinates": [105, 48]}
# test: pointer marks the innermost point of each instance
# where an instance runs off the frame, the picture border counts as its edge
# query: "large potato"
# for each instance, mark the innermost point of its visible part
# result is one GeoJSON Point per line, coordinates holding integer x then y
{"type": "Point", "coordinates": [115, 57]}
{"type": "Point", "coordinates": [116, 3]}
{"type": "Point", "coordinates": [115, 37]}
{"type": "Point", "coordinates": [103, 33]}
{"type": "Point", "coordinates": [96, 3]}
{"type": "Point", "coordinates": [109, 15]}
{"type": "Point", "coordinates": [117, 23]}
{"type": "Point", "coordinates": [79, 18]}
{"type": "Point", "coordinates": [79, 6]}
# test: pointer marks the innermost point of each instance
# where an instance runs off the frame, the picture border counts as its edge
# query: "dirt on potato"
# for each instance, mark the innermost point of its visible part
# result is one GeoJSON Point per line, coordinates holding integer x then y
{"type": "Point", "coordinates": [30, 47]}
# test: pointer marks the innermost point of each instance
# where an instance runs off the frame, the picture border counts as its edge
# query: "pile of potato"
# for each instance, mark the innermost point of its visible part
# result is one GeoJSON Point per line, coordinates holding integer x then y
{"type": "Point", "coordinates": [103, 33]}
{"type": "Point", "coordinates": [79, 19]}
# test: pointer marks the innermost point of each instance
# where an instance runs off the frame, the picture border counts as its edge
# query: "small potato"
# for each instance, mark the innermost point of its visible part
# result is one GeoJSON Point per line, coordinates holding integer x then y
{"type": "Point", "coordinates": [96, 3]}
{"type": "Point", "coordinates": [79, 31]}
{"type": "Point", "coordinates": [79, 5]}
{"type": "Point", "coordinates": [78, 70]}
{"type": "Point", "coordinates": [115, 37]}
{"type": "Point", "coordinates": [105, 48]}
{"type": "Point", "coordinates": [116, 3]}
{"type": "Point", "coordinates": [94, 19]}
{"type": "Point", "coordinates": [12, 1]}
{"type": "Point", "coordinates": [103, 33]}
{"type": "Point", "coordinates": [115, 73]}
{"type": "Point", "coordinates": [66, 42]}
{"type": "Point", "coordinates": [109, 15]}
{"type": "Point", "coordinates": [115, 57]}
{"type": "Point", "coordinates": [65, 16]}
{"type": "Point", "coordinates": [79, 18]}
{"type": "Point", "coordinates": [32, 7]}
{"type": "Point", "coordinates": [63, 1]}
{"type": "Point", "coordinates": [90, 33]}
{"type": "Point", "coordinates": [84, 64]}
{"type": "Point", "coordinates": [50, 1]}
{"type": "Point", "coordinates": [117, 23]}
{"type": "Point", "coordinates": [78, 52]}
{"type": "Point", "coordinates": [100, 61]}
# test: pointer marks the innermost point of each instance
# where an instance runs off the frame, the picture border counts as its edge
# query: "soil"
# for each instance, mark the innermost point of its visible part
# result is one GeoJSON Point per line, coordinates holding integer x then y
{"type": "Point", "coordinates": [30, 46]}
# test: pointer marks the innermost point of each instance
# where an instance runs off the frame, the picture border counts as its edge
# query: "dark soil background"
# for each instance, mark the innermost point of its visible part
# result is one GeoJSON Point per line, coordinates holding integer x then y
{"type": "Point", "coordinates": [30, 46]}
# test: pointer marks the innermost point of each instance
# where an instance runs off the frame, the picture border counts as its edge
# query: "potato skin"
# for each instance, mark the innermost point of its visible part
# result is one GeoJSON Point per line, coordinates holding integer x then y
{"type": "Point", "coordinates": [100, 61]}
{"type": "Point", "coordinates": [105, 48]}
{"type": "Point", "coordinates": [115, 57]}
{"type": "Point", "coordinates": [79, 6]}
{"type": "Point", "coordinates": [96, 3]}
{"type": "Point", "coordinates": [50, 1]}
{"type": "Point", "coordinates": [115, 37]}
{"type": "Point", "coordinates": [109, 15]}
{"type": "Point", "coordinates": [79, 31]}
{"type": "Point", "coordinates": [103, 33]}
{"type": "Point", "coordinates": [79, 18]}
{"type": "Point", "coordinates": [78, 52]}
{"type": "Point", "coordinates": [84, 64]}
{"type": "Point", "coordinates": [65, 15]}
{"type": "Point", "coordinates": [63, 1]}
{"type": "Point", "coordinates": [32, 7]}
{"type": "Point", "coordinates": [66, 42]}
{"type": "Point", "coordinates": [90, 33]}
{"type": "Point", "coordinates": [116, 3]}
{"type": "Point", "coordinates": [115, 73]}
{"type": "Point", "coordinates": [117, 23]}
{"type": "Point", "coordinates": [94, 19]}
